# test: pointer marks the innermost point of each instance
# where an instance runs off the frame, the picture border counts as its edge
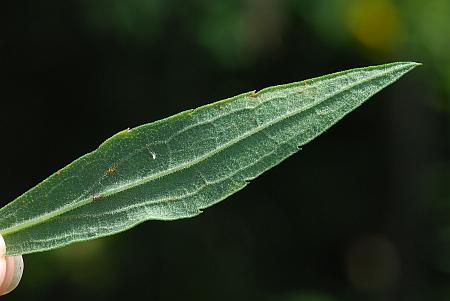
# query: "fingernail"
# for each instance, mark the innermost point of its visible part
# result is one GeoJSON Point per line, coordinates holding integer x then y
{"type": "Point", "coordinates": [14, 271]}
{"type": "Point", "coordinates": [2, 259]}
{"type": "Point", "coordinates": [2, 246]}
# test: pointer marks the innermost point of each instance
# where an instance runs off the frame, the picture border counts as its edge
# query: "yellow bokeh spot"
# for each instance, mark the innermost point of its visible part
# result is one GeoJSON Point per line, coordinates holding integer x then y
{"type": "Point", "coordinates": [374, 23]}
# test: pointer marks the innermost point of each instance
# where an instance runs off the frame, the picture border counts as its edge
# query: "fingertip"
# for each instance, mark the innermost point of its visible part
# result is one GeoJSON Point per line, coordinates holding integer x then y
{"type": "Point", "coordinates": [14, 270]}
{"type": "Point", "coordinates": [2, 259]}
{"type": "Point", "coordinates": [2, 269]}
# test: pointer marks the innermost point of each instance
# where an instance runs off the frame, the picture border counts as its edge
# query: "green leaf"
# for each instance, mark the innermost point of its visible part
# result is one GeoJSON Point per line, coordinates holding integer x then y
{"type": "Point", "coordinates": [175, 167]}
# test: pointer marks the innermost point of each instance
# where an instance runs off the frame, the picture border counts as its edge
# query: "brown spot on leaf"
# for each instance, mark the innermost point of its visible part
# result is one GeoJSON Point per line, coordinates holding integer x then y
{"type": "Point", "coordinates": [112, 169]}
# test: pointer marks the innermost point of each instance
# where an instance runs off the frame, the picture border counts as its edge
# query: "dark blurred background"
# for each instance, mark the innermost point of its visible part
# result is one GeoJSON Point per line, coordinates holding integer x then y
{"type": "Point", "coordinates": [361, 213]}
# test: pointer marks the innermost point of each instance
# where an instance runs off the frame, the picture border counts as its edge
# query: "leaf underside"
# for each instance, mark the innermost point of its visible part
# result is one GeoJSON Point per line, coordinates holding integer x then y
{"type": "Point", "coordinates": [175, 167]}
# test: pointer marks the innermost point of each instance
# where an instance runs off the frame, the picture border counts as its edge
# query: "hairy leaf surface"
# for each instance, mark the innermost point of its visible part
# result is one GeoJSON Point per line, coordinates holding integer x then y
{"type": "Point", "coordinates": [175, 167]}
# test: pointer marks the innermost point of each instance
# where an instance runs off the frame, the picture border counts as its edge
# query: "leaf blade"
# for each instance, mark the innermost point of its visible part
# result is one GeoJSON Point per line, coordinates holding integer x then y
{"type": "Point", "coordinates": [175, 167]}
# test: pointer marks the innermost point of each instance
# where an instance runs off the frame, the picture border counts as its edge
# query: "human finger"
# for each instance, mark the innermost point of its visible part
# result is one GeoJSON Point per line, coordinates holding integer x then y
{"type": "Point", "coordinates": [11, 270]}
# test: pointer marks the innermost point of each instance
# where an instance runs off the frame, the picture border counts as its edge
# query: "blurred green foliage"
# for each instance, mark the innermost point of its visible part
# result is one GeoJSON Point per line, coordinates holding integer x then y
{"type": "Point", "coordinates": [237, 33]}
{"type": "Point", "coordinates": [128, 21]}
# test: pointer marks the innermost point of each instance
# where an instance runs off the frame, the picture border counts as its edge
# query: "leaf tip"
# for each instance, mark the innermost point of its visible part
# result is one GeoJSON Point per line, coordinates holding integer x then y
{"type": "Point", "coordinates": [410, 65]}
{"type": "Point", "coordinates": [401, 67]}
